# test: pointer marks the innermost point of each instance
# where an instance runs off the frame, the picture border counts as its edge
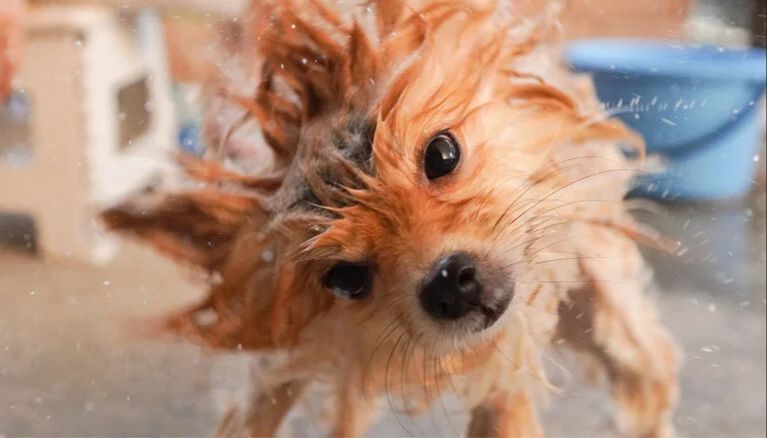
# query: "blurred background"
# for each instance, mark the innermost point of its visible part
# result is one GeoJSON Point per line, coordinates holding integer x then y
{"type": "Point", "coordinates": [96, 96]}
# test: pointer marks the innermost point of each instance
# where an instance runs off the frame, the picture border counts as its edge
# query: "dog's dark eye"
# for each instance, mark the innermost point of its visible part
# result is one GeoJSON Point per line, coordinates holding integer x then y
{"type": "Point", "coordinates": [349, 280]}
{"type": "Point", "coordinates": [441, 156]}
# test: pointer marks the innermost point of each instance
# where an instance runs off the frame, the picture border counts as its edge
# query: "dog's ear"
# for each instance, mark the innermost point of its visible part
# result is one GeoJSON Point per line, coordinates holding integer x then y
{"type": "Point", "coordinates": [265, 294]}
{"type": "Point", "coordinates": [197, 226]}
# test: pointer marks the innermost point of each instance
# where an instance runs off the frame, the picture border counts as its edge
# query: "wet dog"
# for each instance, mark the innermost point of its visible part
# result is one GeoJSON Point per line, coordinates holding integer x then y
{"type": "Point", "coordinates": [443, 204]}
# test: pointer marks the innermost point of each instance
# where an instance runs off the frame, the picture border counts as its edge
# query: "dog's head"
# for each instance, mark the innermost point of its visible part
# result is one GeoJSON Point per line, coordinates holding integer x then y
{"type": "Point", "coordinates": [448, 203]}
{"type": "Point", "coordinates": [418, 179]}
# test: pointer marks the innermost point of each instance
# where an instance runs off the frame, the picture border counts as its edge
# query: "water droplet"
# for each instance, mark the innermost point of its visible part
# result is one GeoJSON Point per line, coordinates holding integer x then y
{"type": "Point", "coordinates": [267, 256]}
{"type": "Point", "coordinates": [205, 317]}
{"type": "Point", "coordinates": [668, 122]}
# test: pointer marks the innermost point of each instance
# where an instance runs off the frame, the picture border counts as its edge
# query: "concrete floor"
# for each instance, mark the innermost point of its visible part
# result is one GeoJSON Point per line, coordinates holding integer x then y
{"type": "Point", "coordinates": [68, 369]}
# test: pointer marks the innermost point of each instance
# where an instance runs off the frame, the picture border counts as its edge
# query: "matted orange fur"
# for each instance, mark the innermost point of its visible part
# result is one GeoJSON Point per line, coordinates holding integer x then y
{"type": "Point", "coordinates": [348, 107]}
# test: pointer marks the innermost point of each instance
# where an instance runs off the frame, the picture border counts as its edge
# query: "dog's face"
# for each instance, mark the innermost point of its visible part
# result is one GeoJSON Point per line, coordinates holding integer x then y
{"type": "Point", "coordinates": [434, 241]}
{"type": "Point", "coordinates": [442, 237]}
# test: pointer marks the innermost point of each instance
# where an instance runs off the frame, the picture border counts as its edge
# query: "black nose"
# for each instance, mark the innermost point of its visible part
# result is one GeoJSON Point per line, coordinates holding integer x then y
{"type": "Point", "coordinates": [451, 289]}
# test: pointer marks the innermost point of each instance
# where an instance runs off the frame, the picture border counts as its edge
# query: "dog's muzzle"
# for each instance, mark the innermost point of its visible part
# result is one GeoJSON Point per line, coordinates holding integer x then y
{"type": "Point", "coordinates": [453, 288]}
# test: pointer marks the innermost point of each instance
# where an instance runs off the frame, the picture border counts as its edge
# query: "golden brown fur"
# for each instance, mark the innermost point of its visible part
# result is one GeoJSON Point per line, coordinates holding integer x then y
{"type": "Point", "coordinates": [538, 196]}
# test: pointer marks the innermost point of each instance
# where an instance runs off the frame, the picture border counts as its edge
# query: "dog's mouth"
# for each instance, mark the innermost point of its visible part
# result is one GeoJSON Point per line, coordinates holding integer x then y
{"type": "Point", "coordinates": [490, 314]}
{"type": "Point", "coordinates": [481, 316]}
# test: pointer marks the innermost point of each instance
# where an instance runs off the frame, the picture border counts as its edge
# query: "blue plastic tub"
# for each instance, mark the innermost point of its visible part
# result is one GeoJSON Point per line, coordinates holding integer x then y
{"type": "Point", "coordinates": [695, 105]}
